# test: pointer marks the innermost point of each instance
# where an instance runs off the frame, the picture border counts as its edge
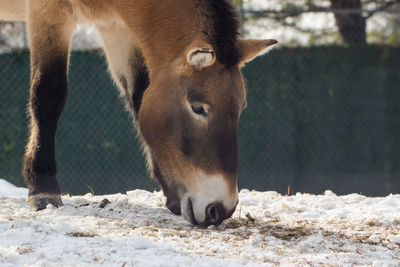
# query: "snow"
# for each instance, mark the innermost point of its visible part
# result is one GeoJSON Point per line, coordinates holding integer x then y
{"type": "Point", "coordinates": [86, 36]}
{"type": "Point", "coordinates": [135, 229]}
{"type": "Point", "coordinates": [7, 189]}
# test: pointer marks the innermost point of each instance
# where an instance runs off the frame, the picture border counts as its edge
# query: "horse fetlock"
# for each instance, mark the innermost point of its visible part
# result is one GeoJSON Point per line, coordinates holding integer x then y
{"type": "Point", "coordinates": [40, 201]}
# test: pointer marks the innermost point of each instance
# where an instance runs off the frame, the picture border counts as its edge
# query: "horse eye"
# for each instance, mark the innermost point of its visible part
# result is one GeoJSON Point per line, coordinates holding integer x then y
{"type": "Point", "coordinates": [199, 110]}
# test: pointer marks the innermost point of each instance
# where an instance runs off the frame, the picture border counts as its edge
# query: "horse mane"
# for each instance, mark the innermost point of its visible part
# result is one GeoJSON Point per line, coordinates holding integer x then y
{"type": "Point", "coordinates": [221, 25]}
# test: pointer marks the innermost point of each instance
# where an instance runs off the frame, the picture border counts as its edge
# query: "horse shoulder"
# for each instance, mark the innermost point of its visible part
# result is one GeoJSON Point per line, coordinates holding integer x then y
{"type": "Point", "coordinates": [13, 10]}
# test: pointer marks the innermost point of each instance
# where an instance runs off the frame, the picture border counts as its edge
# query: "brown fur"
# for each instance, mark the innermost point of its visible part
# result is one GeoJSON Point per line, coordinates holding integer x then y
{"type": "Point", "coordinates": [187, 112]}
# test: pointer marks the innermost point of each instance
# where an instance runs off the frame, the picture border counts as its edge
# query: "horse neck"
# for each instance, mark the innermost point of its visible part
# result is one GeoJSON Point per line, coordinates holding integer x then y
{"type": "Point", "coordinates": [163, 29]}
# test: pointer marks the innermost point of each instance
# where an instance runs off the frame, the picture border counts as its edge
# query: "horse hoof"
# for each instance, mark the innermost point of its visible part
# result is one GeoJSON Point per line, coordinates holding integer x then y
{"type": "Point", "coordinates": [40, 201]}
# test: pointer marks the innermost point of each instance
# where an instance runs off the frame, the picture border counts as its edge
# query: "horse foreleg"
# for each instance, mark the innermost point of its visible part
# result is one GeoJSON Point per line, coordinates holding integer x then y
{"type": "Point", "coordinates": [50, 29]}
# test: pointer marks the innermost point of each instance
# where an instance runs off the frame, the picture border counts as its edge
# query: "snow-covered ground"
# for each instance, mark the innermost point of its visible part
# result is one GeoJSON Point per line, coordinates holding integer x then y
{"type": "Point", "coordinates": [7, 189]}
{"type": "Point", "coordinates": [135, 229]}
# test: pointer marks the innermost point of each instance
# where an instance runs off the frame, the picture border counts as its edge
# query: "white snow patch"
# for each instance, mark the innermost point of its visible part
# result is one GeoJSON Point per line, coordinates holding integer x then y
{"type": "Point", "coordinates": [8, 190]}
{"type": "Point", "coordinates": [267, 229]}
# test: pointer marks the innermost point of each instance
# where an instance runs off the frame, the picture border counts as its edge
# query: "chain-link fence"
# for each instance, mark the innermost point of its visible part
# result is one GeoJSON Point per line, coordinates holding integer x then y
{"type": "Point", "coordinates": [317, 118]}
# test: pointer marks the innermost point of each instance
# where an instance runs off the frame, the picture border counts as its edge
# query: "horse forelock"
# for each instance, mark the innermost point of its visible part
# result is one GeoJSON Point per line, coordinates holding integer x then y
{"type": "Point", "coordinates": [221, 25]}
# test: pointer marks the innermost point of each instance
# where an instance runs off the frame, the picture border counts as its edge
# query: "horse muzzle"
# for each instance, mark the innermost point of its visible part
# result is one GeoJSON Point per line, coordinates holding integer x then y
{"type": "Point", "coordinates": [210, 205]}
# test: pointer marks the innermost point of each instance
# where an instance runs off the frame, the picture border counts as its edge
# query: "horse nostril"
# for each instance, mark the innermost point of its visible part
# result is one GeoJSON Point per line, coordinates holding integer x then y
{"type": "Point", "coordinates": [215, 213]}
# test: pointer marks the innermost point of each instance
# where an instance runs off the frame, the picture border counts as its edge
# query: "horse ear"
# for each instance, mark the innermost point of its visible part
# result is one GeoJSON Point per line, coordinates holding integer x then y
{"type": "Point", "coordinates": [201, 57]}
{"type": "Point", "coordinates": [249, 49]}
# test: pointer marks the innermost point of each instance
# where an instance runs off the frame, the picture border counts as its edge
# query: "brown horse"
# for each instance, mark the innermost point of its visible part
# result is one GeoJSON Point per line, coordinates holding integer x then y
{"type": "Point", "coordinates": [177, 64]}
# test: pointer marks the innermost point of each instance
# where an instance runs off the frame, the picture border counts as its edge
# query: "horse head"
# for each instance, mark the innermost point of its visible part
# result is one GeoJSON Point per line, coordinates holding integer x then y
{"type": "Point", "coordinates": [189, 121]}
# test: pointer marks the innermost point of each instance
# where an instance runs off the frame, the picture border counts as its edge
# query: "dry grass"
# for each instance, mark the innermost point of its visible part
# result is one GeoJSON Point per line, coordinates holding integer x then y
{"type": "Point", "coordinates": [24, 250]}
{"type": "Point", "coordinates": [274, 227]}
{"type": "Point", "coordinates": [80, 234]}
{"type": "Point", "coordinates": [268, 228]}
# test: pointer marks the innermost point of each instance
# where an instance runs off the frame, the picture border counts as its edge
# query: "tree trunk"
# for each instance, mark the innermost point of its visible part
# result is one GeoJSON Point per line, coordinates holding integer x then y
{"type": "Point", "coordinates": [352, 26]}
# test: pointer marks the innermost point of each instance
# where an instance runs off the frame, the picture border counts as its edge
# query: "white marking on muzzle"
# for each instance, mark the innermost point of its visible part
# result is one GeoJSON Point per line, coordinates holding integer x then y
{"type": "Point", "coordinates": [207, 190]}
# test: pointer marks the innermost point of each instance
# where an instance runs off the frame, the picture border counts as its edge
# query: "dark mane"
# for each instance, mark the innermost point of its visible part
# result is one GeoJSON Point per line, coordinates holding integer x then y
{"type": "Point", "coordinates": [221, 22]}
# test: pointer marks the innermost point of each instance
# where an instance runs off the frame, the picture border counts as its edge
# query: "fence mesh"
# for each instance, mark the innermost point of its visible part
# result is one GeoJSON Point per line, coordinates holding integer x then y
{"type": "Point", "coordinates": [318, 118]}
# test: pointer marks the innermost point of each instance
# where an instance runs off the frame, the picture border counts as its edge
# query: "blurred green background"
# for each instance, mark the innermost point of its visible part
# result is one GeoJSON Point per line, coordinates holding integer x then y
{"type": "Point", "coordinates": [318, 118]}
